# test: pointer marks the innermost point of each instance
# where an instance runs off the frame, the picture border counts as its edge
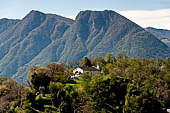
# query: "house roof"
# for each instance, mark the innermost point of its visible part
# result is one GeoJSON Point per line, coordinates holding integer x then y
{"type": "Point", "coordinates": [89, 69]}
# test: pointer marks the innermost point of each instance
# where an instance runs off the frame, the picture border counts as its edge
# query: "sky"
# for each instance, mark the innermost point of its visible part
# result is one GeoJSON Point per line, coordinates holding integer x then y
{"type": "Point", "coordinates": [146, 13]}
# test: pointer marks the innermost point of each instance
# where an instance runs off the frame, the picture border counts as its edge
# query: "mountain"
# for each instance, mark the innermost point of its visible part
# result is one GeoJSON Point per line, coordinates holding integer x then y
{"type": "Point", "coordinates": [6, 23]}
{"type": "Point", "coordinates": [95, 33]}
{"type": "Point", "coordinates": [39, 39]}
{"type": "Point", "coordinates": [162, 34]}
{"type": "Point", "coordinates": [22, 42]}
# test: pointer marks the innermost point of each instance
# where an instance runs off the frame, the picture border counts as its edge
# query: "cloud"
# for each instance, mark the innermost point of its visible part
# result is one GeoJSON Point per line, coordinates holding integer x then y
{"type": "Point", "coordinates": [146, 18]}
{"type": "Point", "coordinates": [71, 17]}
{"type": "Point", "coordinates": [149, 18]}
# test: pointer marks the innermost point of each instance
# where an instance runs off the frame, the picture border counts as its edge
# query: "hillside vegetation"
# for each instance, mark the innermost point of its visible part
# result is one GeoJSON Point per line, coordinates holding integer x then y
{"type": "Point", "coordinates": [128, 85]}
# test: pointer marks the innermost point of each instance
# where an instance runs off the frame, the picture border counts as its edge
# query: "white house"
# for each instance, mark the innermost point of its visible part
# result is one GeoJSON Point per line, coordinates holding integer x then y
{"type": "Point", "coordinates": [79, 70]}
{"type": "Point", "coordinates": [168, 110]}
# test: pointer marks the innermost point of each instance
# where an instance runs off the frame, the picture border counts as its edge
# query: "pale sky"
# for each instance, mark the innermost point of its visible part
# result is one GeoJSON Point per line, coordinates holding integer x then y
{"type": "Point", "coordinates": [146, 13]}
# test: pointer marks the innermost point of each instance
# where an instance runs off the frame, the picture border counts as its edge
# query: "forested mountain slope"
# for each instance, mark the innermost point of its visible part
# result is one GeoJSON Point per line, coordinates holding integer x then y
{"type": "Point", "coordinates": [162, 34]}
{"type": "Point", "coordinates": [39, 39]}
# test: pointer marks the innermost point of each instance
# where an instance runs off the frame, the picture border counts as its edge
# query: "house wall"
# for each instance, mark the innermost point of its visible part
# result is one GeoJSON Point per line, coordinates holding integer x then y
{"type": "Point", "coordinates": [77, 70]}
{"type": "Point", "coordinates": [93, 72]}
{"type": "Point", "coordinates": [80, 71]}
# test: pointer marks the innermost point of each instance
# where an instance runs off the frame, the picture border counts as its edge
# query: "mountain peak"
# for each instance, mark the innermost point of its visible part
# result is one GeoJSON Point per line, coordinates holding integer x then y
{"type": "Point", "coordinates": [95, 13]}
{"type": "Point", "coordinates": [33, 14]}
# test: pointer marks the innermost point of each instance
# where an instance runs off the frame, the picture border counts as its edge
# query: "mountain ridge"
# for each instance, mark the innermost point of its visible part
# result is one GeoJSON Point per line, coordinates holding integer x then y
{"type": "Point", "coordinates": [40, 38]}
{"type": "Point", "coordinates": [28, 41]}
{"type": "Point", "coordinates": [161, 34]}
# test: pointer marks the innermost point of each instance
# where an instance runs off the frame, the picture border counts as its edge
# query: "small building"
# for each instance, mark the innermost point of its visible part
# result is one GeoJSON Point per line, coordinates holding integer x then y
{"type": "Point", "coordinates": [90, 70]}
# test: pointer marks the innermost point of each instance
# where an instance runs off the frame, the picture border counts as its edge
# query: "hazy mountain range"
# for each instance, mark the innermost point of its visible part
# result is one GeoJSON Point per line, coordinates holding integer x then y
{"type": "Point", "coordinates": [162, 34]}
{"type": "Point", "coordinates": [39, 39]}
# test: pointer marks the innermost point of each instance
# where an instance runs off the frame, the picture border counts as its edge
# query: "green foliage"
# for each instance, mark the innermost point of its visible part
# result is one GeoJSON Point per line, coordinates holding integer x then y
{"type": "Point", "coordinates": [109, 58]}
{"type": "Point", "coordinates": [39, 80]}
{"type": "Point", "coordinates": [106, 88]}
{"type": "Point", "coordinates": [85, 82]}
{"type": "Point", "coordinates": [128, 85]}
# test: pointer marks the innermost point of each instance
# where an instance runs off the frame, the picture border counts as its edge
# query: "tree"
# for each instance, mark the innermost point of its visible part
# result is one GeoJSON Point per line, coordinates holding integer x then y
{"type": "Point", "coordinates": [109, 58]}
{"type": "Point", "coordinates": [108, 92]}
{"type": "Point", "coordinates": [138, 101]}
{"type": "Point", "coordinates": [55, 67]}
{"type": "Point", "coordinates": [86, 62]}
{"type": "Point", "coordinates": [40, 80]}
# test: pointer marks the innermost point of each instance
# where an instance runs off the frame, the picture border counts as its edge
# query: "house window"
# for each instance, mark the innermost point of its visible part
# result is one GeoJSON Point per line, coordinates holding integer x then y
{"type": "Point", "coordinates": [76, 72]}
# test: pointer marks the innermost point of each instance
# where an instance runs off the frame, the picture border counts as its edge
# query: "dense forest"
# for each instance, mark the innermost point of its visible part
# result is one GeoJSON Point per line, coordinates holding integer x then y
{"type": "Point", "coordinates": [125, 85]}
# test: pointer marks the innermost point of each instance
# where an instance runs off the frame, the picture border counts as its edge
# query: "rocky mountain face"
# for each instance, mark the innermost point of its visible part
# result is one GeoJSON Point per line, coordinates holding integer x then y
{"type": "Point", "coordinates": [162, 34]}
{"type": "Point", "coordinates": [39, 39]}
{"type": "Point", "coordinates": [6, 23]}
{"type": "Point", "coordinates": [26, 39]}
